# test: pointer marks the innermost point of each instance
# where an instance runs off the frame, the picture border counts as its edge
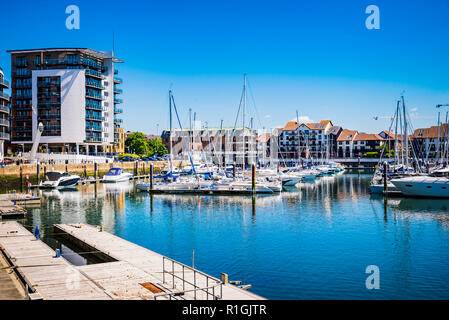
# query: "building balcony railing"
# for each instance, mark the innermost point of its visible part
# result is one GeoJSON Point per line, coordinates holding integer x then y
{"type": "Point", "coordinates": [118, 120]}
{"type": "Point", "coordinates": [94, 85]}
{"type": "Point", "coordinates": [22, 129]}
{"type": "Point", "coordinates": [4, 96]}
{"type": "Point", "coordinates": [4, 109]}
{"type": "Point", "coordinates": [96, 97]}
{"type": "Point", "coordinates": [94, 128]}
{"type": "Point", "coordinates": [115, 71]}
{"type": "Point", "coordinates": [94, 118]}
{"type": "Point", "coordinates": [48, 95]}
{"type": "Point", "coordinates": [118, 80]}
{"type": "Point", "coordinates": [21, 118]}
{"type": "Point", "coordinates": [4, 122]}
{"type": "Point", "coordinates": [49, 117]}
{"type": "Point", "coordinates": [4, 82]}
{"type": "Point", "coordinates": [48, 83]}
{"type": "Point", "coordinates": [20, 63]}
{"type": "Point", "coordinates": [5, 135]}
{"type": "Point", "coordinates": [95, 107]}
{"type": "Point", "coordinates": [94, 73]}
{"type": "Point", "coordinates": [52, 128]}
{"type": "Point", "coordinates": [95, 139]}
{"type": "Point", "coordinates": [25, 73]}
{"type": "Point", "coordinates": [118, 110]}
{"type": "Point", "coordinates": [22, 96]}
{"type": "Point", "coordinates": [117, 101]}
{"type": "Point", "coordinates": [21, 85]}
{"type": "Point", "coordinates": [84, 62]}
{"type": "Point", "coordinates": [117, 91]}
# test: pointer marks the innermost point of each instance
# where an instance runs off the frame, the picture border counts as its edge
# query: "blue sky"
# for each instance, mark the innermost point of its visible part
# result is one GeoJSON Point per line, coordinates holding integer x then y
{"type": "Point", "coordinates": [316, 57]}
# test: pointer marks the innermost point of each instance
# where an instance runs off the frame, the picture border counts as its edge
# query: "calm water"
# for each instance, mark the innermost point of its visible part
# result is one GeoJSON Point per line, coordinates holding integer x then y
{"type": "Point", "coordinates": [309, 243]}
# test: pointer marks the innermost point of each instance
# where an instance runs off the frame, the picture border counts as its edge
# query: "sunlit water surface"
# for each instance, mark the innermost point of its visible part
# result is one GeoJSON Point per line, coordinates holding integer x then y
{"type": "Point", "coordinates": [313, 242]}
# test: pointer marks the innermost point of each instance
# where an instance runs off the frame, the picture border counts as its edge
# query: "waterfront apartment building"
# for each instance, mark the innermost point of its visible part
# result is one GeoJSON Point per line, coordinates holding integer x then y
{"type": "Point", "coordinates": [304, 140]}
{"type": "Point", "coordinates": [73, 92]}
{"type": "Point", "coordinates": [4, 114]}
{"type": "Point", "coordinates": [432, 142]}
{"type": "Point", "coordinates": [354, 144]}
{"type": "Point", "coordinates": [218, 145]}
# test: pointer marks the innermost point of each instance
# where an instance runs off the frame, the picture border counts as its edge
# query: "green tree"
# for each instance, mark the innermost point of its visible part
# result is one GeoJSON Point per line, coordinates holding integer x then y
{"type": "Point", "coordinates": [156, 146]}
{"type": "Point", "coordinates": [137, 143]}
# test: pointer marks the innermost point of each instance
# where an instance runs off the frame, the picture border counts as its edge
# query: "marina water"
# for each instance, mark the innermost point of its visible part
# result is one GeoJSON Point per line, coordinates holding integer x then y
{"type": "Point", "coordinates": [310, 242]}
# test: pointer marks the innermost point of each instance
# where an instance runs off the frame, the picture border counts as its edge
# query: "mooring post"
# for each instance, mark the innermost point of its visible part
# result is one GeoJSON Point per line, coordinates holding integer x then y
{"type": "Point", "coordinates": [151, 177]}
{"type": "Point", "coordinates": [38, 173]}
{"type": "Point", "coordinates": [21, 178]}
{"type": "Point", "coordinates": [45, 171]}
{"type": "Point", "coordinates": [253, 177]}
{"type": "Point", "coordinates": [85, 171]}
{"type": "Point", "coordinates": [96, 170]}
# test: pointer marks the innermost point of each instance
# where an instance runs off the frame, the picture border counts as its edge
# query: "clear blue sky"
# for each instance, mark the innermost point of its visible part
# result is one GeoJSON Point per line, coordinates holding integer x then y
{"type": "Point", "coordinates": [314, 56]}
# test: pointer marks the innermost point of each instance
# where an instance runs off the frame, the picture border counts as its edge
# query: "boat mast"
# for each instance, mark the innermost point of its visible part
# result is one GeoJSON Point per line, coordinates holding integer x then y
{"type": "Point", "coordinates": [405, 134]}
{"type": "Point", "coordinates": [396, 133]}
{"type": "Point", "coordinates": [171, 131]}
{"type": "Point", "coordinates": [299, 139]}
{"type": "Point", "coordinates": [243, 120]}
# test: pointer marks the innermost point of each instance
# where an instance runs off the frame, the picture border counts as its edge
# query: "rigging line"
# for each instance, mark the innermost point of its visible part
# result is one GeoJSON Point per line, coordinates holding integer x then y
{"type": "Point", "coordinates": [254, 102]}
{"type": "Point", "coordinates": [183, 136]}
{"type": "Point", "coordinates": [238, 111]}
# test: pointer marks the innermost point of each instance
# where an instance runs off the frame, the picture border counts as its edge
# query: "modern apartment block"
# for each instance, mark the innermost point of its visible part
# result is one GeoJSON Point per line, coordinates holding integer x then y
{"type": "Point", "coordinates": [4, 114]}
{"type": "Point", "coordinates": [73, 92]}
{"type": "Point", "coordinates": [432, 142]}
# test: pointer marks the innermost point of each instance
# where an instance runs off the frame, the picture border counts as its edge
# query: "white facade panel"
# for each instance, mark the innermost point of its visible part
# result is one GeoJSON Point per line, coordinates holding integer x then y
{"type": "Point", "coordinates": [73, 115]}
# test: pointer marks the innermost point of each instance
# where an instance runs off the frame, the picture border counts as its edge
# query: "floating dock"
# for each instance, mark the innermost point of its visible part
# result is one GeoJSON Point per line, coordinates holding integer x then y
{"type": "Point", "coordinates": [137, 270]}
{"type": "Point", "coordinates": [9, 207]}
{"type": "Point", "coordinates": [130, 272]}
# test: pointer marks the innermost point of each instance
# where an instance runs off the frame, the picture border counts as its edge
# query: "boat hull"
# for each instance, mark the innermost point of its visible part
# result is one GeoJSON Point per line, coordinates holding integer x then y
{"type": "Point", "coordinates": [423, 187]}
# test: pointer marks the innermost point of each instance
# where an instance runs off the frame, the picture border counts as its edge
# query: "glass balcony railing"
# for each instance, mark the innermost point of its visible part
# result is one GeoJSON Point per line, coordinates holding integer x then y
{"type": "Point", "coordinates": [94, 73]}
{"type": "Point", "coordinates": [22, 96]}
{"type": "Point", "coordinates": [94, 128]}
{"type": "Point", "coordinates": [116, 100]}
{"type": "Point", "coordinates": [49, 117]}
{"type": "Point", "coordinates": [4, 135]}
{"type": "Point", "coordinates": [118, 80]}
{"type": "Point", "coordinates": [4, 109]}
{"type": "Point", "coordinates": [91, 95]}
{"type": "Point", "coordinates": [4, 82]}
{"type": "Point", "coordinates": [94, 84]}
{"type": "Point", "coordinates": [118, 110]}
{"type": "Point", "coordinates": [94, 118]}
{"type": "Point", "coordinates": [4, 122]}
{"type": "Point", "coordinates": [25, 85]}
{"type": "Point", "coordinates": [24, 73]}
{"type": "Point", "coordinates": [116, 90]}
{"type": "Point", "coordinates": [4, 95]}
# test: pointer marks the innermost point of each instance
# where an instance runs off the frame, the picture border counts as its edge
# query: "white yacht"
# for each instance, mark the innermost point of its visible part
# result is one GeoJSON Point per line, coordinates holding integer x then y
{"type": "Point", "coordinates": [117, 175]}
{"type": "Point", "coordinates": [436, 184]}
{"type": "Point", "coordinates": [59, 180]}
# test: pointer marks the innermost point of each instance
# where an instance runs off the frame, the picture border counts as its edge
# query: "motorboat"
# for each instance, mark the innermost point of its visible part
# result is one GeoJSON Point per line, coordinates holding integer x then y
{"type": "Point", "coordinates": [117, 175]}
{"type": "Point", "coordinates": [435, 184]}
{"type": "Point", "coordinates": [59, 180]}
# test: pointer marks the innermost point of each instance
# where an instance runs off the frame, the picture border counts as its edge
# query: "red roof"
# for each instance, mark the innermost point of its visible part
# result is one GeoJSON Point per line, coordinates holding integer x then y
{"type": "Point", "coordinates": [347, 135]}
{"type": "Point", "coordinates": [290, 126]}
{"type": "Point", "coordinates": [367, 136]}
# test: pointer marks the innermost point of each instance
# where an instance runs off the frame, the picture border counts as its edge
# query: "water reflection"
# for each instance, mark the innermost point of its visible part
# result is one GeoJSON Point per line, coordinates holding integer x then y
{"type": "Point", "coordinates": [313, 241]}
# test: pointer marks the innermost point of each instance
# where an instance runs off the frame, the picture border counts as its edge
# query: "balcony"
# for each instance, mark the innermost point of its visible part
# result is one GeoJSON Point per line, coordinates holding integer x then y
{"type": "Point", "coordinates": [95, 97]}
{"type": "Point", "coordinates": [22, 96]}
{"type": "Point", "coordinates": [94, 85]}
{"type": "Point", "coordinates": [94, 128]}
{"type": "Point", "coordinates": [94, 73]}
{"type": "Point", "coordinates": [26, 85]}
{"type": "Point", "coordinates": [4, 96]}
{"type": "Point", "coordinates": [4, 122]}
{"type": "Point", "coordinates": [4, 83]}
{"type": "Point", "coordinates": [117, 110]}
{"type": "Point", "coordinates": [117, 91]}
{"type": "Point", "coordinates": [20, 63]}
{"type": "Point", "coordinates": [94, 118]}
{"type": "Point", "coordinates": [118, 120]}
{"type": "Point", "coordinates": [48, 117]}
{"type": "Point", "coordinates": [118, 80]}
{"type": "Point", "coordinates": [21, 118]}
{"type": "Point", "coordinates": [4, 109]}
{"type": "Point", "coordinates": [4, 135]}
{"type": "Point", "coordinates": [48, 84]}
{"type": "Point", "coordinates": [93, 106]}
{"type": "Point", "coordinates": [22, 129]}
{"type": "Point", "coordinates": [52, 128]}
{"type": "Point", "coordinates": [94, 139]}
{"type": "Point", "coordinates": [117, 101]}
{"type": "Point", "coordinates": [24, 73]}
